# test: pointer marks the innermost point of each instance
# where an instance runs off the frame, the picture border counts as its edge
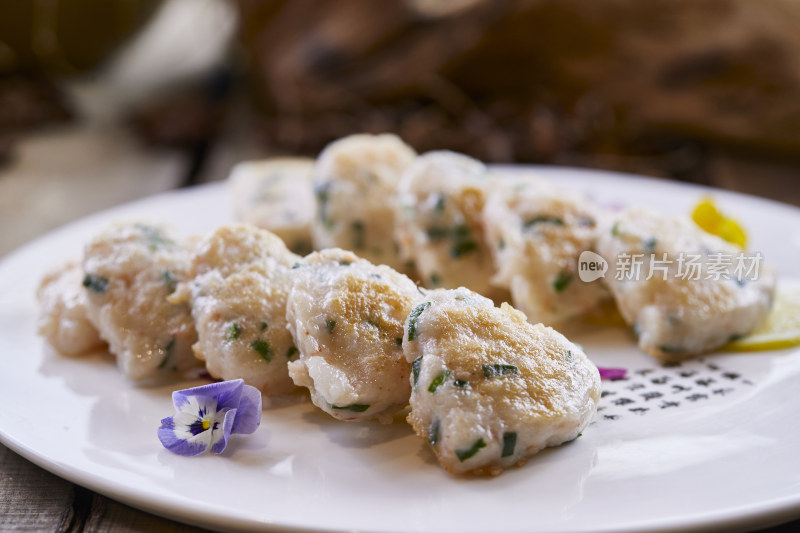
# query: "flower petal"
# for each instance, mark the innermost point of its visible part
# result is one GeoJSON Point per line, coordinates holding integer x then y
{"type": "Point", "coordinates": [222, 432]}
{"type": "Point", "coordinates": [612, 373]}
{"type": "Point", "coordinates": [248, 415]}
{"type": "Point", "coordinates": [175, 444]}
{"type": "Point", "coordinates": [224, 392]}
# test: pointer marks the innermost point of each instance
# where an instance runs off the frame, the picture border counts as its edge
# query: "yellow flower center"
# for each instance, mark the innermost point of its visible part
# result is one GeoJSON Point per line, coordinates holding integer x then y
{"type": "Point", "coordinates": [206, 425]}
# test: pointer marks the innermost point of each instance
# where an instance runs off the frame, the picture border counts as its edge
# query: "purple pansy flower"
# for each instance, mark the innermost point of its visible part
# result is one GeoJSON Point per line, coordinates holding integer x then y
{"type": "Point", "coordinates": [612, 373]}
{"type": "Point", "coordinates": [206, 416]}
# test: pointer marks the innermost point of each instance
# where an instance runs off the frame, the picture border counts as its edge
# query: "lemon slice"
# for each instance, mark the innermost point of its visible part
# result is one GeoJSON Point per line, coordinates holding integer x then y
{"type": "Point", "coordinates": [781, 328]}
{"type": "Point", "coordinates": [712, 220]}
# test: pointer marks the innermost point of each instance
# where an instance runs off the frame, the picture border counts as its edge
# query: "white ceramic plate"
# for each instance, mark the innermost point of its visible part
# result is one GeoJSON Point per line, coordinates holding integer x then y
{"type": "Point", "coordinates": [712, 444]}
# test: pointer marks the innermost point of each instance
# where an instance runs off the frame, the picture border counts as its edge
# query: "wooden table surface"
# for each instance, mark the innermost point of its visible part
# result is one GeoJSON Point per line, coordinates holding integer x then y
{"type": "Point", "coordinates": [62, 175]}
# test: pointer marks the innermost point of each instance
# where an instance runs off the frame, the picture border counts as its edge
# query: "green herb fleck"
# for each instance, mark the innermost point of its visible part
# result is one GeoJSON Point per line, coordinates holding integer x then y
{"type": "Point", "coordinates": [439, 207]}
{"type": "Point", "coordinates": [463, 242]}
{"type": "Point", "coordinates": [330, 324]}
{"type": "Point", "coordinates": [345, 263]}
{"type": "Point", "coordinates": [433, 434]}
{"type": "Point", "coordinates": [415, 367]}
{"type": "Point", "coordinates": [398, 341]}
{"type": "Point", "coordinates": [263, 349]}
{"type": "Point", "coordinates": [465, 454]}
{"type": "Point", "coordinates": [501, 244]}
{"type": "Point", "coordinates": [323, 195]}
{"type": "Point", "coordinates": [358, 237]}
{"type": "Point", "coordinates": [499, 370]}
{"type": "Point", "coordinates": [234, 331]}
{"type": "Point", "coordinates": [167, 352]}
{"type": "Point", "coordinates": [291, 352]}
{"type": "Point", "coordinates": [438, 380]}
{"type": "Point", "coordinates": [460, 383]}
{"type": "Point", "coordinates": [543, 220]}
{"type": "Point", "coordinates": [170, 281]}
{"type": "Point", "coordinates": [264, 325]}
{"type": "Point", "coordinates": [97, 284]}
{"type": "Point", "coordinates": [735, 337]}
{"type": "Point", "coordinates": [355, 407]}
{"type": "Point", "coordinates": [615, 229]}
{"type": "Point", "coordinates": [563, 279]}
{"type": "Point", "coordinates": [435, 279]}
{"type": "Point", "coordinates": [509, 443]}
{"type": "Point", "coordinates": [649, 245]}
{"type": "Point", "coordinates": [437, 233]}
{"type": "Point", "coordinates": [413, 317]}
{"type": "Point", "coordinates": [671, 349]}
{"type": "Point", "coordinates": [463, 247]}
{"type": "Point", "coordinates": [297, 265]}
{"type": "Point", "coordinates": [154, 236]}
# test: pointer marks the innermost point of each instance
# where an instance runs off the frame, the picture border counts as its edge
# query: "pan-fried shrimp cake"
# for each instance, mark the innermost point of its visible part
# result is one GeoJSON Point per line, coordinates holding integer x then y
{"type": "Point", "coordinates": [276, 195]}
{"type": "Point", "coordinates": [355, 180]}
{"type": "Point", "coordinates": [537, 231]}
{"type": "Point", "coordinates": [242, 277]}
{"type": "Point", "coordinates": [63, 318]}
{"type": "Point", "coordinates": [692, 300]}
{"type": "Point", "coordinates": [130, 271]}
{"type": "Point", "coordinates": [440, 222]}
{"type": "Point", "coordinates": [346, 316]}
{"type": "Point", "coordinates": [489, 388]}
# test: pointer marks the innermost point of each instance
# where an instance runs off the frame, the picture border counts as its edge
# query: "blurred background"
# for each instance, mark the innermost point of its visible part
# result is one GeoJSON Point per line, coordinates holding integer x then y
{"type": "Point", "coordinates": [104, 101]}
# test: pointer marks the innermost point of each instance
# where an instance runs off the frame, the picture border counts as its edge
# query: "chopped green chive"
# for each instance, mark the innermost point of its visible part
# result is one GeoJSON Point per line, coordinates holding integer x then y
{"type": "Point", "coordinates": [398, 341]}
{"type": "Point", "coordinates": [499, 370]}
{"type": "Point", "coordinates": [509, 443]}
{"type": "Point", "coordinates": [435, 279]}
{"type": "Point", "coordinates": [234, 331]}
{"type": "Point", "coordinates": [322, 194]}
{"type": "Point", "coordinates": [735, 337]}
{"type": "Point", "coordinates": [264, 326]}
{"type": "Point", "coordinates": [438, 380]}
{"type": "Point", "coordinates": [437, 233]}
{"type": "Point", "coordinates": [170, 281]}
{"type": "Point", "coordinates": [154, 236]}
{"type": "Point", "coordinates": [463, 247]}
{"type": "Point", "coordinates": [355, 407]}
{"type": "Point", "coordinates": [413, 317]}
{"type": "Point", "coordinates": [291, 352]}
{"type": "Point", "coordinates": [415, 366]}
{"type": "Point", "coordinates": [465, 454]}
{"type": "Point", "coordinates": [345, 263]}
{"type": "Point", "coordinates": [330, 324]}
{"type": "Point", "coordinates": [439, 207]}
{"type": "Point", "coordinates": [460, 383]}
{"type": "Point", "coordinates": [297, 265]}
{"type": "Point", "coordinates": [562, 280]}
{"type": "Point", "coordinates": [649, 245]}
{"type": "Point", "coordinates": [543, 220]}
{"type": "Point", "coordinates": [671, 349]}
{"type": "Point", "coordinates": [358, 237]}
{"type": "Point", "coordinates": [433, 434]}
{"type": "Point", "coordinates": [463, 242]}
{"type": "Point", "coordinates": [97, 284]}
{"type": "Point", "coordinates": [263, 349]}
{"type": "Point", "coordinates": [615, 229]}
{"type": "Point", "coordinates": [167, 352]}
